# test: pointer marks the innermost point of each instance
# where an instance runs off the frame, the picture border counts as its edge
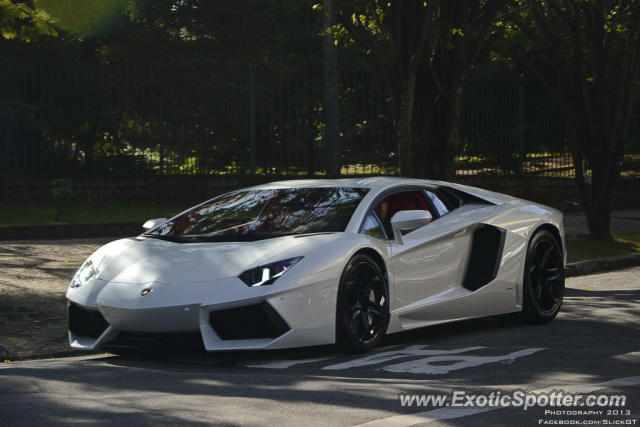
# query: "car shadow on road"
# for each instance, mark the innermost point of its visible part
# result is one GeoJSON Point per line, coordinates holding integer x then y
{"type": "Point", "coordinates": [591, 339]}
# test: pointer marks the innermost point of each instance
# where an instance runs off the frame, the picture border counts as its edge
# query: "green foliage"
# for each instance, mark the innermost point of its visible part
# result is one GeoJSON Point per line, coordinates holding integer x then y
{"type": "Point", "coordinates": [156, 73]}
{"type": "Point", "coordinates": [580, 249]}
{"type": "Point", "coordinates": [62, 189]}
{"type": "Point", "coordinates": [93, 18]}
{"type": "Point", "coordinates": [24, 21]}
{"type": "Point", "coordinates": [61, 192]}
{"type": "Point", "coordinates": [44, 213]}
{"type": "Point", "coordinates": [593, 50]}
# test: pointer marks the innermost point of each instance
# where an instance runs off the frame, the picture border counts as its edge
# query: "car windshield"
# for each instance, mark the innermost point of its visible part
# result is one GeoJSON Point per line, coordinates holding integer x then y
{"type": "Point", "coordinates": [262, 214]}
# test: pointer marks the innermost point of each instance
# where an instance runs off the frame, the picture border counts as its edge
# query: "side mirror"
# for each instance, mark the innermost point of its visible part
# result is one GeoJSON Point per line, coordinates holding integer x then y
{"type": "Point", "coordinates": [153, 223]}
{"type": "Point", "coordinates": [407, 221]}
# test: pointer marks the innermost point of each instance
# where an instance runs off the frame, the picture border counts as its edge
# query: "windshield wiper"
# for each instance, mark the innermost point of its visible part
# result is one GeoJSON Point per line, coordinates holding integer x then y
{"type": "Point", "coordinates": [175, 239]}
{"type": "Point", "coordinates": [252, 237]}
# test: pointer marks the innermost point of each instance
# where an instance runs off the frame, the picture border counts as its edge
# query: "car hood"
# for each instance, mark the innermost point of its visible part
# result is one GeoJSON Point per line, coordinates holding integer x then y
{"type": "Point", "coordinates": [144, 260]}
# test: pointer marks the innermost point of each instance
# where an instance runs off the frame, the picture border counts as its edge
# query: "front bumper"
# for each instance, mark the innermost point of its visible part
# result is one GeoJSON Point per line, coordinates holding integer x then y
{"type": "Point", "coordinates": [221, 315]}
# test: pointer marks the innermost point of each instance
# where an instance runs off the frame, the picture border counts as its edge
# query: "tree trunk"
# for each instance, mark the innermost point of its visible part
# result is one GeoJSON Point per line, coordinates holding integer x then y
{"type": "Point", "coordinates": [599, 212]}
{"type": "Point", "coordinates": [331, 105]}
{"type": "Point", "coordinates": [404, 120]}
{"type": "Point", "coordinates": [596, 193]}
{"type": "Point", "coordinates": [599, 221]}
{"type": "Point", "coordinates": [455, 134]}
{"type": "Point", "coordinates": [437, 133]}
{"type": "Point", "coordinates": [433, 130]}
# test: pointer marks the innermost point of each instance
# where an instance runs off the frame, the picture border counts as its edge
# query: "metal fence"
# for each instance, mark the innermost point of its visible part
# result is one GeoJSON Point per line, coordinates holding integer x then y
{"type": "Point", "coordinates": [69, 118]}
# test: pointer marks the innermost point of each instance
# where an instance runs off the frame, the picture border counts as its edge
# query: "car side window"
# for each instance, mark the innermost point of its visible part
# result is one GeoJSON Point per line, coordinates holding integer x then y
{"type": "Point", "coordinates": [403, 200]}
{"type": "Point", "coordinates": [437, 203]}
{"type": "Point", "coordinates": [372, 227]}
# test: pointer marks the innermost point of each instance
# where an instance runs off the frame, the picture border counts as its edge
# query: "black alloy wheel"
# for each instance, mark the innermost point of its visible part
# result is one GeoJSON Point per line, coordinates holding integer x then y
{"type": "Point", "coordinates": [363, 305]}
{"type": "Point", "coordinates": [543, 286]}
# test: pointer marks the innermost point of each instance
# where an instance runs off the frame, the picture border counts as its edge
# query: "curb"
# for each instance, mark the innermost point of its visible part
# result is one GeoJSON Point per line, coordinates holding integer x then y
{"type": "Point", "coordinates": [53, 355]}
{"type": "Point", "coordinates": [598, 265]}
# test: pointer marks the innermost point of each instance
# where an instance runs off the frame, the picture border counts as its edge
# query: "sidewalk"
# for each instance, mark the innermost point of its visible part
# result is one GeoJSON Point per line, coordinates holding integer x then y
{"type": "Point", "coordinates": [625, 221]}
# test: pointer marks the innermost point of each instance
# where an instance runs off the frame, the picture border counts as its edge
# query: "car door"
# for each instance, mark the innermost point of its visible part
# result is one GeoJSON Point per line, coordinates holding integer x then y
{"type": "Point", "coordinates": [430, 266]}
{"type": "Point", "coordinates": [428, 263]}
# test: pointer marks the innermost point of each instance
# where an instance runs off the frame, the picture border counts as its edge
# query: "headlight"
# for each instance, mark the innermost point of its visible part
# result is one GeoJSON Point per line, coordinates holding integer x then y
{"type": "Point", "coordinates": [84, 275]}
{"type": "Point", "coordinates": [267, 274]}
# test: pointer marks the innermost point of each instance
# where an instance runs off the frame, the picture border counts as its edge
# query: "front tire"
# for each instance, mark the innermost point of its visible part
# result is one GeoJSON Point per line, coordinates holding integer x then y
{"type": "Point", "coordinates": [362, 314]}
{"type": "Point", "coordinates": [543, 284]}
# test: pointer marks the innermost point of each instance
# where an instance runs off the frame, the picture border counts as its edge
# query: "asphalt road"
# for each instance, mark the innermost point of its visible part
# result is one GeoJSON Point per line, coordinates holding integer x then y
{"type": "Point", "coordinates": [592, 347]}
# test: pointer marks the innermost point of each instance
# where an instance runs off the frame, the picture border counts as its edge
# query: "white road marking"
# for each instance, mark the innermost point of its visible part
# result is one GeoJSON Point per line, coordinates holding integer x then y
{"type": "Point", "coordinates": [386, 356]}
{"type": "Point", "coordinates": [46, 363]}
{"type": "Point", "coordinates": [425, 417]}
{"type": "Point", "coordinates": [629, 357]}
{"type": "Point", "coordinates": [284, 364]}
{"type": "Point", "coordinates": [590, 388]}
{"type": "Point", "coordinates": [427, 366]}
{"type": "Point", "coordinates": [451, 413]}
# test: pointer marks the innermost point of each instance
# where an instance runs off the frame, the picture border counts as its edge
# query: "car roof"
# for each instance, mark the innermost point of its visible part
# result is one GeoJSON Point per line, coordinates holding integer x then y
{"type": "Point", "coordinates": [373, 182]}
{"type": "Point", "coordinates": [378, 184]}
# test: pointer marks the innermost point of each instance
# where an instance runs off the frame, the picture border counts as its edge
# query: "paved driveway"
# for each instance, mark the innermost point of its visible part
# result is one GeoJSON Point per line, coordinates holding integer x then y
{"type": "Point", "coordinates": [34, 276]}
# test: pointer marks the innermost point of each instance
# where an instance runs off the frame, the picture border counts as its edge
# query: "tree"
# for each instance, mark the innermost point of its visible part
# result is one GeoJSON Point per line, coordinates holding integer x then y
{"type": "Point", "coordinates": [424, 51]}
{"type": "Point", "coordinates": [23, 21]}
{"type": "Point", "coordinates": [593, 47]}
{"type": "Point", "coordinates": [463, 32]}
{"type": "Point", "coordinates": [129, 76]}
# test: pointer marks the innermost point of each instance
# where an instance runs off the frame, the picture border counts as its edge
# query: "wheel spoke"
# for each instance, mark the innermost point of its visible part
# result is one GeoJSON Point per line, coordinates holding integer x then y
{"type": "Point", "coordinates": [557, 292]}
{"type": "Point", "coordinates": [365, 273]}
{"type": "Point", "coordinates": [352, 286]}
{"type": "Point", "coordinates": [364, 319]}
{"type": "Point", "coordinates": [546, 256]}
{"type": "Point", "coordinates": [374, 310]}
{"type": "Point", "coordinates": [545, 277]}
{"type": "Point", "coordinates": [355, 326]}
{"type": "Point", "coordinates": [363, 296]}
{"type": "Point", "coordinates": [547, 299]}
{"type": "Point", "coordinates": [552, 278]}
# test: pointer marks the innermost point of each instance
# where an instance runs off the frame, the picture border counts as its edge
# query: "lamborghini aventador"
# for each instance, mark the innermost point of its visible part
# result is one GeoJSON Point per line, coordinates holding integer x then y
{"type": "Point", "coordinates": [311, 262]}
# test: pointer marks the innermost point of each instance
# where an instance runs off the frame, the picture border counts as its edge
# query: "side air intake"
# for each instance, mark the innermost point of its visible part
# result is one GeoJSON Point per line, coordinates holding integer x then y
{"type": "Point", "coordinates": [485, 256]}
{"type": "Point", "coordinates": [248, 322]}
{"type": "Point", "coordinates": [84, 322]}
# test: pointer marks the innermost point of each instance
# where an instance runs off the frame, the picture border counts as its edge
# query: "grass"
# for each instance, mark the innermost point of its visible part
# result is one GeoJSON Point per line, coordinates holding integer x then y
{"type": "Point", "coordinates": [81, 213]}
{"type": "Point", "coordinates": [586, 248]}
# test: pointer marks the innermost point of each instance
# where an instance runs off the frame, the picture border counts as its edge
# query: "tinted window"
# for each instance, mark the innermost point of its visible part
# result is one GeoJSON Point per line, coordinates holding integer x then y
{"type": "Point", "coordinates": [372, 227]}
{"type": "Point", "coordinates": [401, 201]}
{"type": "Point", "coordinates": [437, 203]}
{"type": "Point", "coordinates": [260, 214]}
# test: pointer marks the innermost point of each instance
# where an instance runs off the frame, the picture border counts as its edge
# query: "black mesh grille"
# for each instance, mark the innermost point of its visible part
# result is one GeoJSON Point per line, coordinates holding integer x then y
{"type": "Point", "coordinates": [248, 322]}
{"type": "Point", "coordinates": [151, 340]}
{"type": "Point", "coordinates": [84, 322]}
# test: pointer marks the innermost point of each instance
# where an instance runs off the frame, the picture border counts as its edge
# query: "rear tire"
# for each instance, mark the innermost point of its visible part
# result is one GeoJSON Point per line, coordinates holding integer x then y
{"type": "Point", "coordinates": [362, 313]}
{"type": "Point", "coordinates": [543, 283]}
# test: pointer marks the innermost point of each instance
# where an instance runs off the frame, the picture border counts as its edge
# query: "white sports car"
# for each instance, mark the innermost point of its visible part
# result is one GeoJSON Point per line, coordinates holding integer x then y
{"type": "Point", "coordinates": [300, 263]}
